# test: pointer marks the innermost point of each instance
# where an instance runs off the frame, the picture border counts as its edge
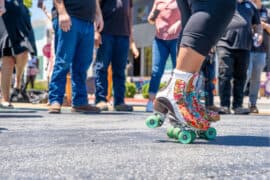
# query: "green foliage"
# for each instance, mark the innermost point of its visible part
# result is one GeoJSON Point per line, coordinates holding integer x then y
{"type": "Point", "coordinates": [130, 89]}
{"type": "Point", "coordinates": [40, 85]}
{"type": "Point", "coordinates": [145, 89]}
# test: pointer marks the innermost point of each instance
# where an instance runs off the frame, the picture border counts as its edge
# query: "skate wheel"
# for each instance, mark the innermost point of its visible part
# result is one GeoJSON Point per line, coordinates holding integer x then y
{"type": "Point", "coordinates": [153, 121]}
{"type": "Point", "coordinates": [170, 132]}
{"type": "Point", "coordinates": [211, 133]}
{"type": "Point", "coordinates": [185, 137]}
{"type": "Point", "coordinates": [176, 132]}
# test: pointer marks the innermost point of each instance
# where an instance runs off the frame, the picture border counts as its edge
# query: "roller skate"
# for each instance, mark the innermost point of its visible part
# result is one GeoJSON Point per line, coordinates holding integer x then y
{"type": "Point", "coordinates": [195, 103]}
{"type": "Point", "coordinates": [174, 104]}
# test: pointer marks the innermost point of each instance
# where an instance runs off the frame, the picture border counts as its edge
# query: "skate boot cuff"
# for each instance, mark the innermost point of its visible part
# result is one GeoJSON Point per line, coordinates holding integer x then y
{"type": "Point", "coordinates": [185, 76]}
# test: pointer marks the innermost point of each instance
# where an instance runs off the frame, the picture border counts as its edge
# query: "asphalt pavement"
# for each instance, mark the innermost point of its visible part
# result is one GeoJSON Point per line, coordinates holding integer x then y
{"type": "Point", "coordinates": [118, 145]}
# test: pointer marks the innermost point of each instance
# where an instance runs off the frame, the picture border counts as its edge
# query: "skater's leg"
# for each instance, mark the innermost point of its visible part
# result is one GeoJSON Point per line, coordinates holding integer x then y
{"type": "Point", "coordinates": [207, 21]}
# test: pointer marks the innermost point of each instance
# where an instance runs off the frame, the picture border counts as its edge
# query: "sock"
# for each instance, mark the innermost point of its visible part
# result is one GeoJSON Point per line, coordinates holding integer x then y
{"type": "Point", "coordinates": [178, 74]}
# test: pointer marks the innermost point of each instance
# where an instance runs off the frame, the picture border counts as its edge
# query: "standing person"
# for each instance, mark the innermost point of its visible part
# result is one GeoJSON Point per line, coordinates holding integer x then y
{"type": "Point", "coordinates": [165, 15]}
{"type": "Point", "coordinates": [74, 35]}
{"type": "Point", "coordinates": [209, 74]}
{"type": "Point", "coordinates": [14, 46]}
{"type": "Point", "coordinates": [113, 44]}
{"type": "Point", "coordinates": [258, 59]}
{"type": "Point", "coordinates": [32, 70]}
{"type": "Point", "coordinates": [233, 52]}
{"type": "Point", "coordinates": [203, 22]}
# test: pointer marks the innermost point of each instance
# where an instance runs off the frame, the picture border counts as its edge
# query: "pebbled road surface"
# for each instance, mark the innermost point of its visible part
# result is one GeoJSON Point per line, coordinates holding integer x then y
{"type": "Point", "coordinates": [37, 145]}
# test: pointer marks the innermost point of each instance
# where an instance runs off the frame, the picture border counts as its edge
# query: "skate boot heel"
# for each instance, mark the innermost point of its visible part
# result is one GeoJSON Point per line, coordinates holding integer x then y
{"type": "Point", "coordinates": [160, 106]}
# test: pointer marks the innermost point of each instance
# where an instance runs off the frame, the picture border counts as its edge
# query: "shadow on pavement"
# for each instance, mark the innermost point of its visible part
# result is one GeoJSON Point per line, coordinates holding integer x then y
{"type": "Point", "coordinates": [18, 111]}
{"type": "Point", "coordinates": [3, 129]}
{"type": "Point", "coordinates": [19, 116]}
{"type": "Point", "coordinates": [257, 141]}
{"type": "Point", "coordinates": [252, 141]}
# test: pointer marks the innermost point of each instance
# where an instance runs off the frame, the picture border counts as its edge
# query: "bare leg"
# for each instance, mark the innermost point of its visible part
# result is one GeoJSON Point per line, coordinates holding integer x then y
{"type": "Point", "coordinates": [8, 63]}
{"type": "Point", "coordinates": [189, 60]}
{"type": "Point", "coordinates": [21, 61]}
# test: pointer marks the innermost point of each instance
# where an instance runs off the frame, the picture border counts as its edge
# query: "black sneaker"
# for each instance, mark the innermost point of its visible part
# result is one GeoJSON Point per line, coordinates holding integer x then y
{"type": "Point", "coordinates": [14, 96]}
{"type": "Point", "coordinates": [224, 110]}
{"type": "Point", "coordinates": [25, 97]}
{"type": "Point", "coordinates": [253, 109]}
{"type": "Point", "coordinates": [123, 107]}
{"type": "Point", "coordinates": [241, 110]}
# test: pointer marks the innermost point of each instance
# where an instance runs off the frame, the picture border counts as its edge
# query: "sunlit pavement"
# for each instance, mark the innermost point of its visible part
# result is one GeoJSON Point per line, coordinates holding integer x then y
{"type": "Point", "coordinates": [118, 145]}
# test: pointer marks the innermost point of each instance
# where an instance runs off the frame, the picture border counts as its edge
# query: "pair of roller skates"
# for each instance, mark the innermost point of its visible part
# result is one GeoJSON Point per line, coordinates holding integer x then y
{"type": "Point", "coordinates": [179, 103]}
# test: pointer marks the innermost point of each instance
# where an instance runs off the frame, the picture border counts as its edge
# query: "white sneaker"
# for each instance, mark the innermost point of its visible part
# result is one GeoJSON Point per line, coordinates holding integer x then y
{"type": "Point", "coordinates": [149, 106]}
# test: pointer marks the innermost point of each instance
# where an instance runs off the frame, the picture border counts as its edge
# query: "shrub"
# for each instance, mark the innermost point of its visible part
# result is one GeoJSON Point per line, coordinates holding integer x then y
{"type": "Point", "coordinates": [40, 85]}
{"type": "Point", "coordinates": [130, 89]}
{"type": "Point", "coordinates": [145, 89]}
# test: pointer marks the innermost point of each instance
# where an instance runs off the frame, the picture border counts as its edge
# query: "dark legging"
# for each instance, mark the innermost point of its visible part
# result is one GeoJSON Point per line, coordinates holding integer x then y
{"type": "Point", "coordinates": [203, 22]}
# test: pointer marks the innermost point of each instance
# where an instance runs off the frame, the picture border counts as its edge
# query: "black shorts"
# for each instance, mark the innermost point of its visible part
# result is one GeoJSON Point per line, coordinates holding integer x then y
{"type": "Point", "coordinates": [16, 33]}
{"type": "Point", "coordinates": [203, 22]}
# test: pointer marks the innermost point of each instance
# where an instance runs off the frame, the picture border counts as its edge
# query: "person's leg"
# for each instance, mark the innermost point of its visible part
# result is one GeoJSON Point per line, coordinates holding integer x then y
{"type": "Point", "coordinates": [197, 36]}
{"type": "Point", "coordinates": [207, 86]}
{"type": "Point", "coordinates": [226, 69]}
{"type": "Point", "coordinates": [240, 75]}
{"type": "Point", "coordinates": [258, 65]}
{"type": "Point", "coordinates": [28, 80]}
{"type": "Point", "coordinates": [249, 70]}
{"type": "Point", "coordinates": [173, 51]}
{"type": "Point", "coordinates": [160, 55]}
{"type": "Point", "coordinates": [161, 51]}
{"type": "Point", "coordinates": [65, 51]}
{"type": "Point", "coordinates": [8, 64]}
{"type": "Point", "coordinates": [119, 61]}
{"type": "Point", "coordinates": [80, 64]}
{"type": "Point", "coordinates": [207, 21]}
{"type": "Point", "coordinates": [32, 81]}
{"type": "Point", "coordinates": [21, 61]}
{"type": "Point", "coordinates": [103, 59]}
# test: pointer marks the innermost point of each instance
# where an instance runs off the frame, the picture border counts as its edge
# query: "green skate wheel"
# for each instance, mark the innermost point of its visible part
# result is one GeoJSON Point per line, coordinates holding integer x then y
{"type": "Point", "coordinates": [170, 132]}
{"type": "Point", "coordinates": [193, 135]}
{"type": "Point", "coordinates": [153, 121]}
{"type": "Point", "coordinates": [176, 132]}
{"type": "Point", "coordinates": [185, 137]}
{"type": "Point", "coordinates": [211, 133]}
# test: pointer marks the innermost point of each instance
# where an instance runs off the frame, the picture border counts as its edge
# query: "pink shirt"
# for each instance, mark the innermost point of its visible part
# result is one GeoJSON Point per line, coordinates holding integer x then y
{"type": "Point", "coordinates": [168, 22]}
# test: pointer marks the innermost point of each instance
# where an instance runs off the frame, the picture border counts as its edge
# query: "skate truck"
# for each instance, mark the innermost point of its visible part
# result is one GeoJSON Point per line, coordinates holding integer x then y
{"type": "Point", "coordinates": [180, 131]}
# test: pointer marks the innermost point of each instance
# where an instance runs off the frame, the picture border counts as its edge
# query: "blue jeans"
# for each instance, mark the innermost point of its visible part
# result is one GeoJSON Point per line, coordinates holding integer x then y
{"type": "Point", "coordinates": [161, 50]}
{"type": "Point", "coordinates": [114, 49]}
{"type": "Point", "coordinates": [74, 53]}
{"type": "Point", "coordinates": [256, 65]}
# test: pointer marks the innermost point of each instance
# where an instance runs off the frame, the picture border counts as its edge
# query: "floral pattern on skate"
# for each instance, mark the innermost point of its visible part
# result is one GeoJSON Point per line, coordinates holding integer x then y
{"type": "Point", "coordinates": [196, 104]}
{"type": "Point", "coordinates": [190, 118]}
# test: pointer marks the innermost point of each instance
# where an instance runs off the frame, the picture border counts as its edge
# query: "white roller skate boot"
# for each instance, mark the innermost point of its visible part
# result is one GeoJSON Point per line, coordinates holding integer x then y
{"type": "Point", "coordinates": [172, 100]}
